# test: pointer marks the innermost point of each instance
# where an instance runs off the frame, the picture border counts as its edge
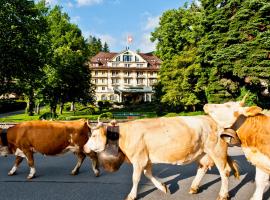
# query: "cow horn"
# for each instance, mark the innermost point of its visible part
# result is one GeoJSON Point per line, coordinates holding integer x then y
{"type": "Point", "coordinates": [242, 102]}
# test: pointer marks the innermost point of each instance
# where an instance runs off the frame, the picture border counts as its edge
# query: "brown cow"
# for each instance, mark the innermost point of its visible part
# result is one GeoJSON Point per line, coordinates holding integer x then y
{"type": "Point", "coordinates": [48, 138]}
{"type": "Point", "coordinates": [175, 140]}
{"type": "Point", "coordinates": [252, 128]}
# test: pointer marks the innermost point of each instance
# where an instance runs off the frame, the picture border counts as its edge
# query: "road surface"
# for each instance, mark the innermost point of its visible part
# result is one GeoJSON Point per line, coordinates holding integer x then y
{"type": "Point", "coordinates": [53, 181]}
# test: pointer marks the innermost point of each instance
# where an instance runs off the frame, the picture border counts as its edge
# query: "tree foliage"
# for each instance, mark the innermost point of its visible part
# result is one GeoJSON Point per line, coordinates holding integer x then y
{"type": "Point", "coordinates": [23, 47]}
{"type": "Point", "coordinates": [214, 52]}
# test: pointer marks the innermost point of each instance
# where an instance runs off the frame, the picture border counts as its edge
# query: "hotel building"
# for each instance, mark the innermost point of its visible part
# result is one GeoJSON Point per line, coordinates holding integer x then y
{"type": "Point", "coordinates": [124, 76]}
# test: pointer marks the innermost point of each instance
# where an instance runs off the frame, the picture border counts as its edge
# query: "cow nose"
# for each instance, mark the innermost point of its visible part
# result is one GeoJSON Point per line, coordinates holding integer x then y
{"type": "Point", "coordinates": [86, 149]}
{"type": "Point", "coordinates": [205, 108]}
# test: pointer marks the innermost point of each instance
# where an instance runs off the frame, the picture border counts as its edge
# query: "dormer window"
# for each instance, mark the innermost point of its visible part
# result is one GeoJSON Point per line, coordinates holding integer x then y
{"type": "Point", "coordinates": [136, 59]}
{"type": "Point", "coordinates": [118, 58]}
{"type": "Point", "coordinates": [127, 58]}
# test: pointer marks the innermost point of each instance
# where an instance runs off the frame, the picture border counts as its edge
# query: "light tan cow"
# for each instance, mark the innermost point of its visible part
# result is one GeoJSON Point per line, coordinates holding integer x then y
{"type": "Point", "coordinates": [252, 128]}
{"type": "Point", "coordinates": [175, 140]}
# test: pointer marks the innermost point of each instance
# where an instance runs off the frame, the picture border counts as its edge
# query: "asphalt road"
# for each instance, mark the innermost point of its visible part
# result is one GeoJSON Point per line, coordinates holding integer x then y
{"type": "Point", "coordinates": [53, 181]}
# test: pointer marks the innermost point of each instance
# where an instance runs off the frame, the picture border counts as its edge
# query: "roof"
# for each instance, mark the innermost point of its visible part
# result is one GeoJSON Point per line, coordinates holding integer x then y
{"type": "Point", "coordinates": [103, 57]}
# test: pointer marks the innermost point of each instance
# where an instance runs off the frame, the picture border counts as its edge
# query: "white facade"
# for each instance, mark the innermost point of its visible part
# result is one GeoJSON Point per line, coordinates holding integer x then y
{"type": "Point", "coordinates": [126, 76]}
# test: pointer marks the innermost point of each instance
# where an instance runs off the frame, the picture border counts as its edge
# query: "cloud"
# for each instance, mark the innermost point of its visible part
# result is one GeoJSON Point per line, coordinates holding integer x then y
{"type": "Point", "coordinates": [110, 40]}
{"type": "Point", "coordinates": [145, 44]}
{"type": "Point", "coordinates": [88, 2]}
{"type": "Point", "coordinates": [151, 23]}
{"type": "Point", "coordinates": [75, 19]}
{"type": "Point", "coordinates": [69, 4]}
{"type": "Point", "coordinates": [51, 2]}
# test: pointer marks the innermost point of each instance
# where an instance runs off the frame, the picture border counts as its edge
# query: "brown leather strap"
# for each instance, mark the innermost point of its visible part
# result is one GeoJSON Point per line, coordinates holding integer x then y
{"type": "Point", "coordinates": [4, 137]}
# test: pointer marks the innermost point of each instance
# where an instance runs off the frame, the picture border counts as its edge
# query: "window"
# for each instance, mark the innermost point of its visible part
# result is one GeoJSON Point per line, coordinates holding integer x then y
{"type": "Point", "coordinates": [136, 59]}
{"type": "Point", "coordinates": [140, 81]}
{"type": "Point", "coordinates": [127, 80]}
{"type": "Point", "coordinates": [103, 72]}
{"type": "Point", "coordinates": [96, 73]}
{"type": "Point", "coordinates": [151, 73]}
{"type": "Point", "coordinates": [127, 73]}
{"type": "Point", "coordinates": [103, 88]}
{"type": "Point", "coordinates": [139, 73]}
{"type": "Point", "coordinates": [96, 81]}
{"type": "Point", "coordinates": [114, 73]}
{"type": "Point", "coordinates": [118, 58]}
{"type": "Point", "coordinates": [115, 80]}
{"type": "Point", "coordinates": [127, 58]}
{"type": "Point", "coordinates": [103, 80]}
{"type": "Point", "coordinates": [127, 65]}
{"type": "Point", "coordinates": [103, 97]}
{"type": "Point", "coordinates": [139, 65]}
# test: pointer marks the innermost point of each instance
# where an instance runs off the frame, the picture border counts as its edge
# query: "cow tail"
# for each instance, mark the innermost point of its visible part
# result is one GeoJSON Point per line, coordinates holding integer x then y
{"type": "Point", "coordinates": [234, 166]}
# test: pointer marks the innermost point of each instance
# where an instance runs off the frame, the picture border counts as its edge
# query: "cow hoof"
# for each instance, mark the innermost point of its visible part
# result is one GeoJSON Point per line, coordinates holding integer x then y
{"type": "Point", "coordinates": [97, 173]}
{"type": "Point", "coordinates": [222, 198]}
{"type": "Point", "coordinates": [11, 173]}
{"type": "Point", "coordinates": [74, 173]}
{"type": "Point", "coordinates": [129, 198]}
{"type": "Point", "coordinates": [30, 177]}
{"type": "Point", "coordinates": [164, 188]}
{"type": "Point", "coordinates": [193, 190]}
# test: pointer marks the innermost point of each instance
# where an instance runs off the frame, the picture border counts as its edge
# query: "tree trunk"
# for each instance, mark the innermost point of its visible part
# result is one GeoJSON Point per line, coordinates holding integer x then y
{"type": "Point", "coordinates": [193, 108]}
{"type": "Point", "coordinates": [53, 110]}
{"type": "Point", "coordinates": [72, 106]}
{"type": "Point", "coordinates": [38, 108]}
{"type": "Point", "coordinates": [61, 108]}
{"type": "Point", "coordinates": [31, 105]}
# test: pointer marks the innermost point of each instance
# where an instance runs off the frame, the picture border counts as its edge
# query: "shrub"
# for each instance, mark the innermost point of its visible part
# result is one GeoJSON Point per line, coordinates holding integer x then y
{"type": "Point", "coordinates": [106, 115]}
{"type": "Point", "coordinates": [48, 115]}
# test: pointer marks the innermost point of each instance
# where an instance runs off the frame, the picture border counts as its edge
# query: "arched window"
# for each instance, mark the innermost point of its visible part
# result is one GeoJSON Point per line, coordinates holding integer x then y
{"type": "Point", "coordinates": [103, 97]}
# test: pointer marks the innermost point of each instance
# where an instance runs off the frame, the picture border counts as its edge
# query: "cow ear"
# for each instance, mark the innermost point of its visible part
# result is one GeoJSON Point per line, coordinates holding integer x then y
{"type": "Point", "coordinates": [252, 111]}
{"type": "Point", "coordinates": [230, 136]}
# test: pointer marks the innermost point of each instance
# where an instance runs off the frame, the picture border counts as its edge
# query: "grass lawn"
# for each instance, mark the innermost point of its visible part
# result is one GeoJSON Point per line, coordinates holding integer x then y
{"type": "Point", "coordinates": [147, 110]}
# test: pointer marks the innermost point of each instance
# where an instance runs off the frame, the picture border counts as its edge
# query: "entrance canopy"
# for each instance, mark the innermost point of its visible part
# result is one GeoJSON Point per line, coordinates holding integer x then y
{"type": "Point", "coordinates": [134, 90]}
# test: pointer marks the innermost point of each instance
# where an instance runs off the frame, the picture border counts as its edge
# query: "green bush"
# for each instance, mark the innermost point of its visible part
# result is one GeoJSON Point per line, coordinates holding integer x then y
{"type": "Point", "coordinates": [48, 115]}
{"type": "Point", "coordinates": [106, 115]}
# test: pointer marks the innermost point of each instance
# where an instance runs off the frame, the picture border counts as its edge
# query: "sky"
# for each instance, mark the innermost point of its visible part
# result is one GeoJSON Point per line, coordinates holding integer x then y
{"type": "Point", "coordinates": [114, 20]}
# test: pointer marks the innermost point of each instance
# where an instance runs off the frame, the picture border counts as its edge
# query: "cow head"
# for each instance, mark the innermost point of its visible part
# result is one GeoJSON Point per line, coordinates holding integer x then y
{"type": "Point", "coordinates": [226, 114]}
{"type": "Point", "coordinates": [97, 140]}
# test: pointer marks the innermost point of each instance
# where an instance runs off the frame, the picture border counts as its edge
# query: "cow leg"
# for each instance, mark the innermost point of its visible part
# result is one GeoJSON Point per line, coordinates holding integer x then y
{"type": "Point", "coordinates": [224, 171]}
{"type": "Point", "coordinates": [94, 160]}
{"type": "Point", "coordinates": [148, 174]}
{"type": "Point", "coordinates": [18, 161]}
{"type": "Point", "coordinates": [201, 171]}
{"type": "Point", "coordinates": [30, 161]}
{"type": "Point", "coordinates": [81, 157]}
{"type": "Point", "coordinates": [261, 182]}
{"type": "Point", "coordinates": [136, 176]}
{"type": "Point", "coordinates": [204, 164]}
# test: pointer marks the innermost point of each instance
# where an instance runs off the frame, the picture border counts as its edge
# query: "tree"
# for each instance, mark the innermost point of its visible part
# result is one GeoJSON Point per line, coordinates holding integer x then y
{"type": "Point", "coordinates": [106, 47]}
{"type": "Point", "coordinates": [235, 48]}
{"type": "Point", "coordinates": [67, 78]}
{"type": "Point", "coordinates": [94, 46]}
{"type": "Point", "coordinates": [181, 79]}
{"type": "Point", "coordinates": [23, 48]}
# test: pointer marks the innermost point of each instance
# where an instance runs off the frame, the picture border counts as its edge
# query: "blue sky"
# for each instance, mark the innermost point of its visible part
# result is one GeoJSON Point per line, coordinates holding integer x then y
{"type": "Point", "coordinates": [113, 20]}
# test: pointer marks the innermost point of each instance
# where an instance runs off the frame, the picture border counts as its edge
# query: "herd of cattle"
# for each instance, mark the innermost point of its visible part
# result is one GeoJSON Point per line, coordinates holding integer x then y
{"type": "Point", "coordinates": [174, 140]}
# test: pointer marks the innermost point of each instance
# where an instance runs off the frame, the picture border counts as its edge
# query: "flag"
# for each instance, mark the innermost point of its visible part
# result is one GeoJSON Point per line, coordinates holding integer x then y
{"type": "Point", "coordinates": [129, 39]}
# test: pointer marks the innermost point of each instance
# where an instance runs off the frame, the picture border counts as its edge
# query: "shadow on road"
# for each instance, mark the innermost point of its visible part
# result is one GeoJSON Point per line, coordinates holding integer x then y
{"type": "Point", "coordinates": [188, 171]}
